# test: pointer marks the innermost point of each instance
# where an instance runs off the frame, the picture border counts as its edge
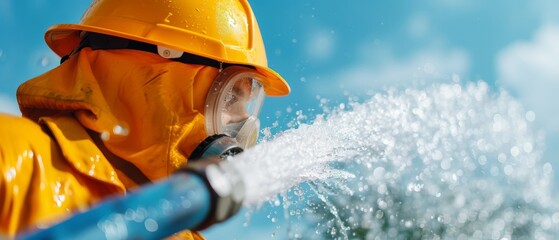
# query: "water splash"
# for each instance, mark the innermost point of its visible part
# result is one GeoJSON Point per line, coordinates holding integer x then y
{"type": "Point", "coordinates": [450, 162]}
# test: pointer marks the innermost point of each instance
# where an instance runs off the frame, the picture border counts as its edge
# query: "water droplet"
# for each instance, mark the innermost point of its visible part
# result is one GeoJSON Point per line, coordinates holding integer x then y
{"type": "Point", "coordinates": [528, 147]}
{"type": "Point", "coordinates": [530, 116]}
{"type": "Point", "coordinates": [445, 164]}
{"type": "Point", "coordinates": [437, 155]}
{"type": "Point", "coordinates": [502, 157]}
{"type": "Point", "coordinates": [455, 78]}
{"type": "Point", "coordinates": [298, 191]}
{"type": "Point", "coordinates": [342, 106]}
{"type": "Point", "coordinates": [514, 151]}
{"type": "Point", "coordinates": [379, 173]}
{"type": "Point", "coordinates": [408, 224]}
{"type": "Point", "coordinates": [105, 135]}
{"type": "Point", "coordinates": [44, 61]}
{"type": "Point", "coordinates": [382, 189]}
{"type": "Point", "coordinates": [140, 215]}
{"type": "Point", "coordinates": [151, 225]}
{"type": "Point", "coordinates": [186, 203]}
{"type": "Point", "coordinates": [120, 130]}
{"type": "Point", "coordinates": [167, 20]}
{"type": "Point", "coordinates": [11, 174]}
{"type": "Point", "coordinates": [482, 160]}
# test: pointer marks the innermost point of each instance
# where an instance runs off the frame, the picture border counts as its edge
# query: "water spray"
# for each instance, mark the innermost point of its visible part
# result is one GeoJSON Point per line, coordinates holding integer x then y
{"type": "Point", "coordinates": [451, 161]}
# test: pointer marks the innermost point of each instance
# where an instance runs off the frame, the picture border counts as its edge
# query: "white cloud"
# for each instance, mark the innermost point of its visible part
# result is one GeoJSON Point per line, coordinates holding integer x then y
{"type": "Point", "coordinates": [385, 70]}
{"type": "Point", "coordinates": [9, 105]}
{"type": "Point", "coordinates": [531, 71]}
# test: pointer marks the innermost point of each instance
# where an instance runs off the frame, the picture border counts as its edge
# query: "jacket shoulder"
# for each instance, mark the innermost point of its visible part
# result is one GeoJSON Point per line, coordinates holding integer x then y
{"type": "Point", "coordinates": [16, 127]}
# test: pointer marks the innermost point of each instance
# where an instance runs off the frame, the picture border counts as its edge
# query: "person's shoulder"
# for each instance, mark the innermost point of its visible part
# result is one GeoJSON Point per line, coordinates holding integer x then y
{"type": "Point", "coordinates": [15, 123]}
{"type": "Point", "coordinates": [16, 127]}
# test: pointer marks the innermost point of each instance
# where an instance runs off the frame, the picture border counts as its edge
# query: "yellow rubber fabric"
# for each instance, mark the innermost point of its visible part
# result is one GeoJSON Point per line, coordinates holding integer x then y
{"type": "Point", "coordinates": [49, 175]}
{"type": "Point", "coordinates": [148, 109]}
{"type": "Point", "coordinates": [46, 178]}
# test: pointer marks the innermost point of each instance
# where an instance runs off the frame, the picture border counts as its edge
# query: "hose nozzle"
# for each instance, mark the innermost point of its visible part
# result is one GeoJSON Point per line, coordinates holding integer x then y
{"type": "Point", "coordinates": [219, 145]}
{"type": "Point", "coordinates": [226, 187]}
{"type": "Point", "coordinates": [224, 181]}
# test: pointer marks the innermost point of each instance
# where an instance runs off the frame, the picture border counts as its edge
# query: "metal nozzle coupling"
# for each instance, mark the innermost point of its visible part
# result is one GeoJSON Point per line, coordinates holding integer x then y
{"type": "Point", "coordinates": [226, 187]}
{"type": "Point", "coordinates": [219, 145]}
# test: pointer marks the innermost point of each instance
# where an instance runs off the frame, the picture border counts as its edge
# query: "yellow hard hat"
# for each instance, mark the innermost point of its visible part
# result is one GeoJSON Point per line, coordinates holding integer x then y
{"type": "Point", "coordinates": [223, 30]}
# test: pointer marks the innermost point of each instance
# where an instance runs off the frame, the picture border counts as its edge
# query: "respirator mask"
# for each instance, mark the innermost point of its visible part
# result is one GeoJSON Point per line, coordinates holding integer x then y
{"type": "Point", "coordinates": [232, 107]}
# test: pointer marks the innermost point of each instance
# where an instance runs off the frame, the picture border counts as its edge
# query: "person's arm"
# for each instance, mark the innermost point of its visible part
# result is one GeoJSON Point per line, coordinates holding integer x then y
{"type": "Point", "coordinates": [195, 197]}
{"type": "Point", "coordinates": [38, 186]}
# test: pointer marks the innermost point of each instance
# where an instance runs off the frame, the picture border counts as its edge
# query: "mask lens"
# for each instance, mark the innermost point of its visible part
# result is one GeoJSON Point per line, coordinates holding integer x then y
{"type": "Point", "coordinates": [234, 103]}
{"type": "Point", "coordinates": [240, 102]}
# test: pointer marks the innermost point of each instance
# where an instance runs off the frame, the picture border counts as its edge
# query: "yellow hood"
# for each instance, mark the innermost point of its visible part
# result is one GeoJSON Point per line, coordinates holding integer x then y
{"type": "Point", "coordinates": [148, 110]}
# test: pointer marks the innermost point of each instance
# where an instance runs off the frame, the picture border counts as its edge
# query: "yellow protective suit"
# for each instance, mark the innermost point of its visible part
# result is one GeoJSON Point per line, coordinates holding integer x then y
{"type": "Point", "coordinates": [96, 108]}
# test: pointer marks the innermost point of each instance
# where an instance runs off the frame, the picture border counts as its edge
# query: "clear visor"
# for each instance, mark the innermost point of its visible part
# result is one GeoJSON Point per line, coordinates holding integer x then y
{"type": "Point", "coordinates": [233, 105]}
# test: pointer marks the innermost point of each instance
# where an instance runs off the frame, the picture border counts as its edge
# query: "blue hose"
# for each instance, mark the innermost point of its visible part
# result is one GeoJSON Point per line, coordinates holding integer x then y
{"type": "Point", "coordinates": [180, 202]}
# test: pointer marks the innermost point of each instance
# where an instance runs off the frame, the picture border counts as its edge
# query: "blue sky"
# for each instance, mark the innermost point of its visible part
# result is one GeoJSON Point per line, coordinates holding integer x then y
{"type": "Point", "coordinates": [329, 49]}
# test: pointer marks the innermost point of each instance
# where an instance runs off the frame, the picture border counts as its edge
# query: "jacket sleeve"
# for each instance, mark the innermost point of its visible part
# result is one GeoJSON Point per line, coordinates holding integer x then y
{"type": "Point", "coordinates": [37, 186]}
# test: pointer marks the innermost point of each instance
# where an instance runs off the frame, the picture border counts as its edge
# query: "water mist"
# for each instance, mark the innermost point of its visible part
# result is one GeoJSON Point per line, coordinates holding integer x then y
{"type": "Point", "coordinates": [447, 162]}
